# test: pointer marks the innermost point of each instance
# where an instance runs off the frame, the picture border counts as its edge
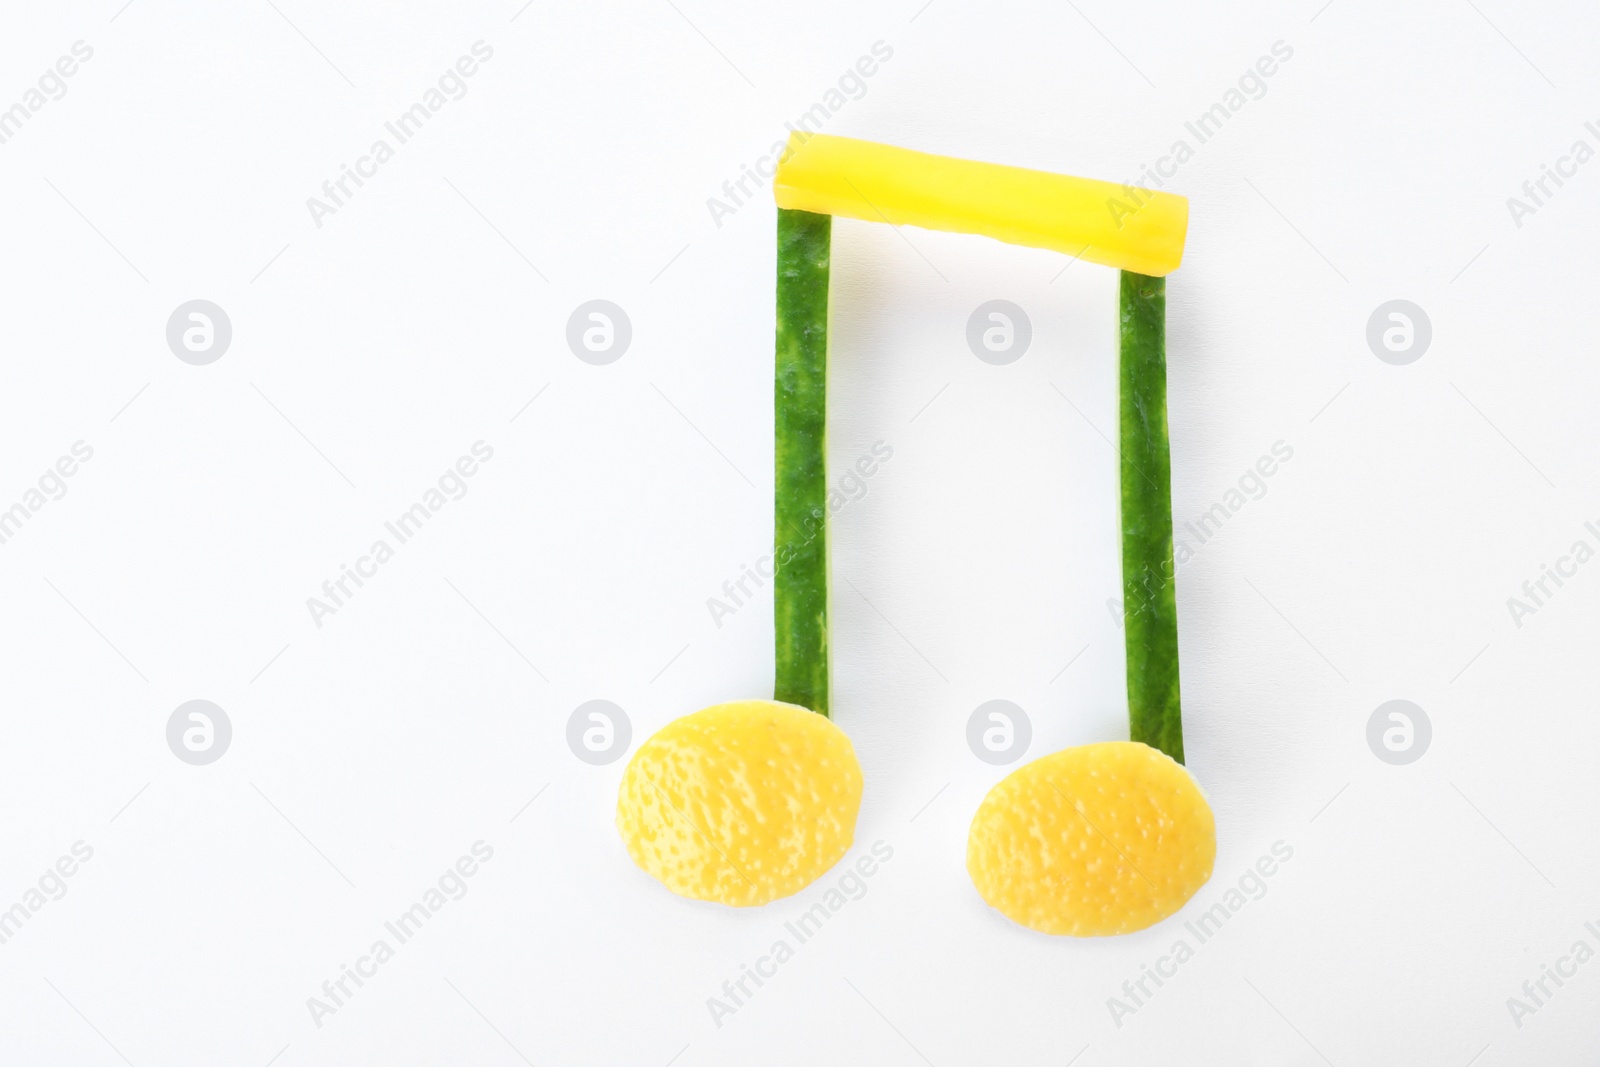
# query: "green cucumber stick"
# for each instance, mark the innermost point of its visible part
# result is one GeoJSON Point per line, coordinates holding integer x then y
{"type": "Point", "coordinates": [1148, 586]}
{"type": "Point", "coordinates": [800, 403]}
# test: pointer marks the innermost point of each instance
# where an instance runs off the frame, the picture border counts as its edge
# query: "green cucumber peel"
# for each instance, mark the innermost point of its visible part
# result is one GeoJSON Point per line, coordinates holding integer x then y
{"type": "Point", "coordinates": [1148, 573]}
{"type": "Point", "coordinates": [800, 403]}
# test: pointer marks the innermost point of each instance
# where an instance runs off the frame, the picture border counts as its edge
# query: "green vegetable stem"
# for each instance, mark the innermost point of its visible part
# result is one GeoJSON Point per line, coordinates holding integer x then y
{"type": "Point", "coordinates": [1148, 573]}
{"type": "Point", "coordinates": [800, 584]}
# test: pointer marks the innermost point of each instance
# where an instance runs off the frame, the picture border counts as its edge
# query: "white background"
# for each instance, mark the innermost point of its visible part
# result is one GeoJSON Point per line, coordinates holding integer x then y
{"type": "Point", "coordinates": [372, 351]}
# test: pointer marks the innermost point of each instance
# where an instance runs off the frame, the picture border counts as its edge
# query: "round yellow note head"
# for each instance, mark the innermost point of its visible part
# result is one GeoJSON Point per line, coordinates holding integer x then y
{"type": "Point", "coordinates": [1093, 840]}
{"type": "Point", "coordinates": [741, 803]}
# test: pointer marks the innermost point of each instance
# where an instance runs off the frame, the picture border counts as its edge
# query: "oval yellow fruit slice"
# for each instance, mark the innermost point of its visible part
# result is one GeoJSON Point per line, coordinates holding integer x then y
{"type": "Point", "coordinates": [1093, 840]}
{"type": "Point", "coordinates": [741, 803]}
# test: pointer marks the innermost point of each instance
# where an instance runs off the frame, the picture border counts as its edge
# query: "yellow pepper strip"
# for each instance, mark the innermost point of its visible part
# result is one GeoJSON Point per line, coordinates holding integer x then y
{"type": "Point", "coordinates": [1133, 229]}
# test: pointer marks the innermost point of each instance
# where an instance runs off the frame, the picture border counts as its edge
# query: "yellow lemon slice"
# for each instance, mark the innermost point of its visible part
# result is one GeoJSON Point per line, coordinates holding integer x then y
{"type": "Point", "coordinates": [741, 803]}
{"type": "Point", "coordinates": [1094, 840]}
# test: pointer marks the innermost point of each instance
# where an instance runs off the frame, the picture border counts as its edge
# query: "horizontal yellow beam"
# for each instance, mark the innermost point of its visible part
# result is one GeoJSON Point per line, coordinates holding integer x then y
{"type": "Point", "coordinates": [1132, 229]}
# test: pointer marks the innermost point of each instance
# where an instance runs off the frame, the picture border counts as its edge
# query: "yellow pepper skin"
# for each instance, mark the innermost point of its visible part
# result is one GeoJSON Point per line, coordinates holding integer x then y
{"type": "Point", "coordinates": [1103, 222]}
